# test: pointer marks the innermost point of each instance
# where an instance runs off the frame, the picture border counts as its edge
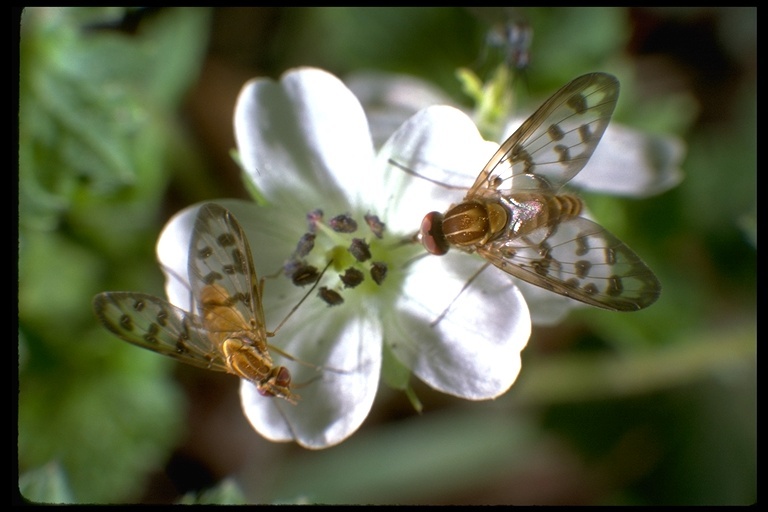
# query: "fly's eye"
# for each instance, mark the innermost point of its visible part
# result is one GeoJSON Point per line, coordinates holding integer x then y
{"type": "Point", "coordinates": [432, 236]}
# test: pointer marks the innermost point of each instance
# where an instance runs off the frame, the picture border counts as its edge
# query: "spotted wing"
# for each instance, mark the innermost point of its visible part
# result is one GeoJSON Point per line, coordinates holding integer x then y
{"type": "Point", "coordinates": [554, 143]}
{"type": "Point", "coordinates": [157, 325]}
{"type": "Point", "coordinates": [221, 269]}
{"type": "Point", "coordinates": [581, 260]}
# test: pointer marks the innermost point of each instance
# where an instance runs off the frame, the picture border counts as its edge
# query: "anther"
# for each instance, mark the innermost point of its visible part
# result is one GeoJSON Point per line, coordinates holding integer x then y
{"type": "Point", "coordinates": [313, 218]}
{"type": "Point", "coordinates": [331, 297]}
{"type": "Point", "coordinates": [378, 271]}
{"type": "Point", "coordinates": [305, 245]}
{"type": "Point", "coordinates": [351, 277]}
{"type": "Point", "coordinates": [343, 224]}
{"type": "Point", "coordinates": [359, 249]}
{"type": "Point", "coordinates": [304, 275]}
{"type": "Point", "coordinates": [377, 227]}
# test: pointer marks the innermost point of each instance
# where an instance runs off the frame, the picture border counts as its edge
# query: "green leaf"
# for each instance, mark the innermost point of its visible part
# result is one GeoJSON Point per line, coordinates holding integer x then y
{"type": "Point", "coordinates": [97, 108]}
{"type": "Point", "coordinates": [398, 376]}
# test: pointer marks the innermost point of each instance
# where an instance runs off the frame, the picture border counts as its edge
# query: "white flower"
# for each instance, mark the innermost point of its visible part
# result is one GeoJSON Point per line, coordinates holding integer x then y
{"type": "Point", "coordinates": [306, 146]}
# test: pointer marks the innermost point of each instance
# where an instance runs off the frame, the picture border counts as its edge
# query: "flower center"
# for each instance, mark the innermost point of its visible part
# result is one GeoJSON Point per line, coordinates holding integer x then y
{"type": "Point", "coordinates": [362, 255]}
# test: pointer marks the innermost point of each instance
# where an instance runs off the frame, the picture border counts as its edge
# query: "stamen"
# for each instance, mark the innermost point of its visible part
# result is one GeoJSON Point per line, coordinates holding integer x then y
{"type": "Point", "coordinates": [313, 218]}
{"type": "Point", "coordinates": [377, 227]}
{"type": "Point", "coordinates": [333, 239]}
{"type": "Point", "coordinates": [304, 275]}
{"type": "Point", "coordinates": [331, 297]}
{"type": "Point", "coordinates": [378, 271]}
{"type": "Point", "coordinates": [305, 245]}
{"type": "Point", "coordinates": [351, 277]}
{"type": "Point", "coordinates": [360, 250]}
{"type": "Point", "coordinates": [343, 224]}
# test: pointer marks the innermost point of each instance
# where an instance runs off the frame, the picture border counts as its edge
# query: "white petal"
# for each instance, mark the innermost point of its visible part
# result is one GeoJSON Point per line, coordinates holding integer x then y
{"type": "Point", "coordinates": [389, 99]}
{"type": "Point", "coordinates": [306, 136]}
{"type": "Point", "coordinates": [631, 163]}
{"type": "Point", "coordinates": [474, 350]}
{"type": "Point", "coordinates": [173, 252]}
{"type": "Point", "coordinates": [335, 401]}
{"type": "Point", "coordinates": [439, 143]}
{"type": "Point", "coordinates": [546, 308]}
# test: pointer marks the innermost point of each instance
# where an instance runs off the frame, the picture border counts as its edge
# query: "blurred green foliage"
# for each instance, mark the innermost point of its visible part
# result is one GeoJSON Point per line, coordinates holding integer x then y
{"type": "Point", "coordinates": [657, 407]}
{"type": "Point", "coordinates": [99, 137]}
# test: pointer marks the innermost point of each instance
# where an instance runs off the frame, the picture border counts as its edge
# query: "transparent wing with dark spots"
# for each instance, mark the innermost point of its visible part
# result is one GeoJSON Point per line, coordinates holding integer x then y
{"type": "Point", "coordinates": [221, 264]}
{"type": "Point", "coordinates": [554, 143]}
{"type": "Point", "coordinates": [157, 325]}
{"type": "Point", "coordinates": [581, 260]}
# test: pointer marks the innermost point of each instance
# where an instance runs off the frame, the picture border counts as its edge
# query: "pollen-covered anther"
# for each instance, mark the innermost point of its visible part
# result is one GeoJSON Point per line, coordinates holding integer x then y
{"type": "Point", "coordinates": [343, 224]}
{"type": "Point", "coordinates": [330, 297]}
{"type": "Point", "coordinates": [377, 227]}
{"type": "Point", "coordinates": [305, 245]}
{"type": "Point", "coordinates": [304, 275]}
{"type": "Point", "coordinates": [313, 218]}
{"type": "Point", "coordinates": [359, 249]}
{"type": "Point", "coordinates": [378, 271]}
{"type": "Point", "coordinates": [351, 277]}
